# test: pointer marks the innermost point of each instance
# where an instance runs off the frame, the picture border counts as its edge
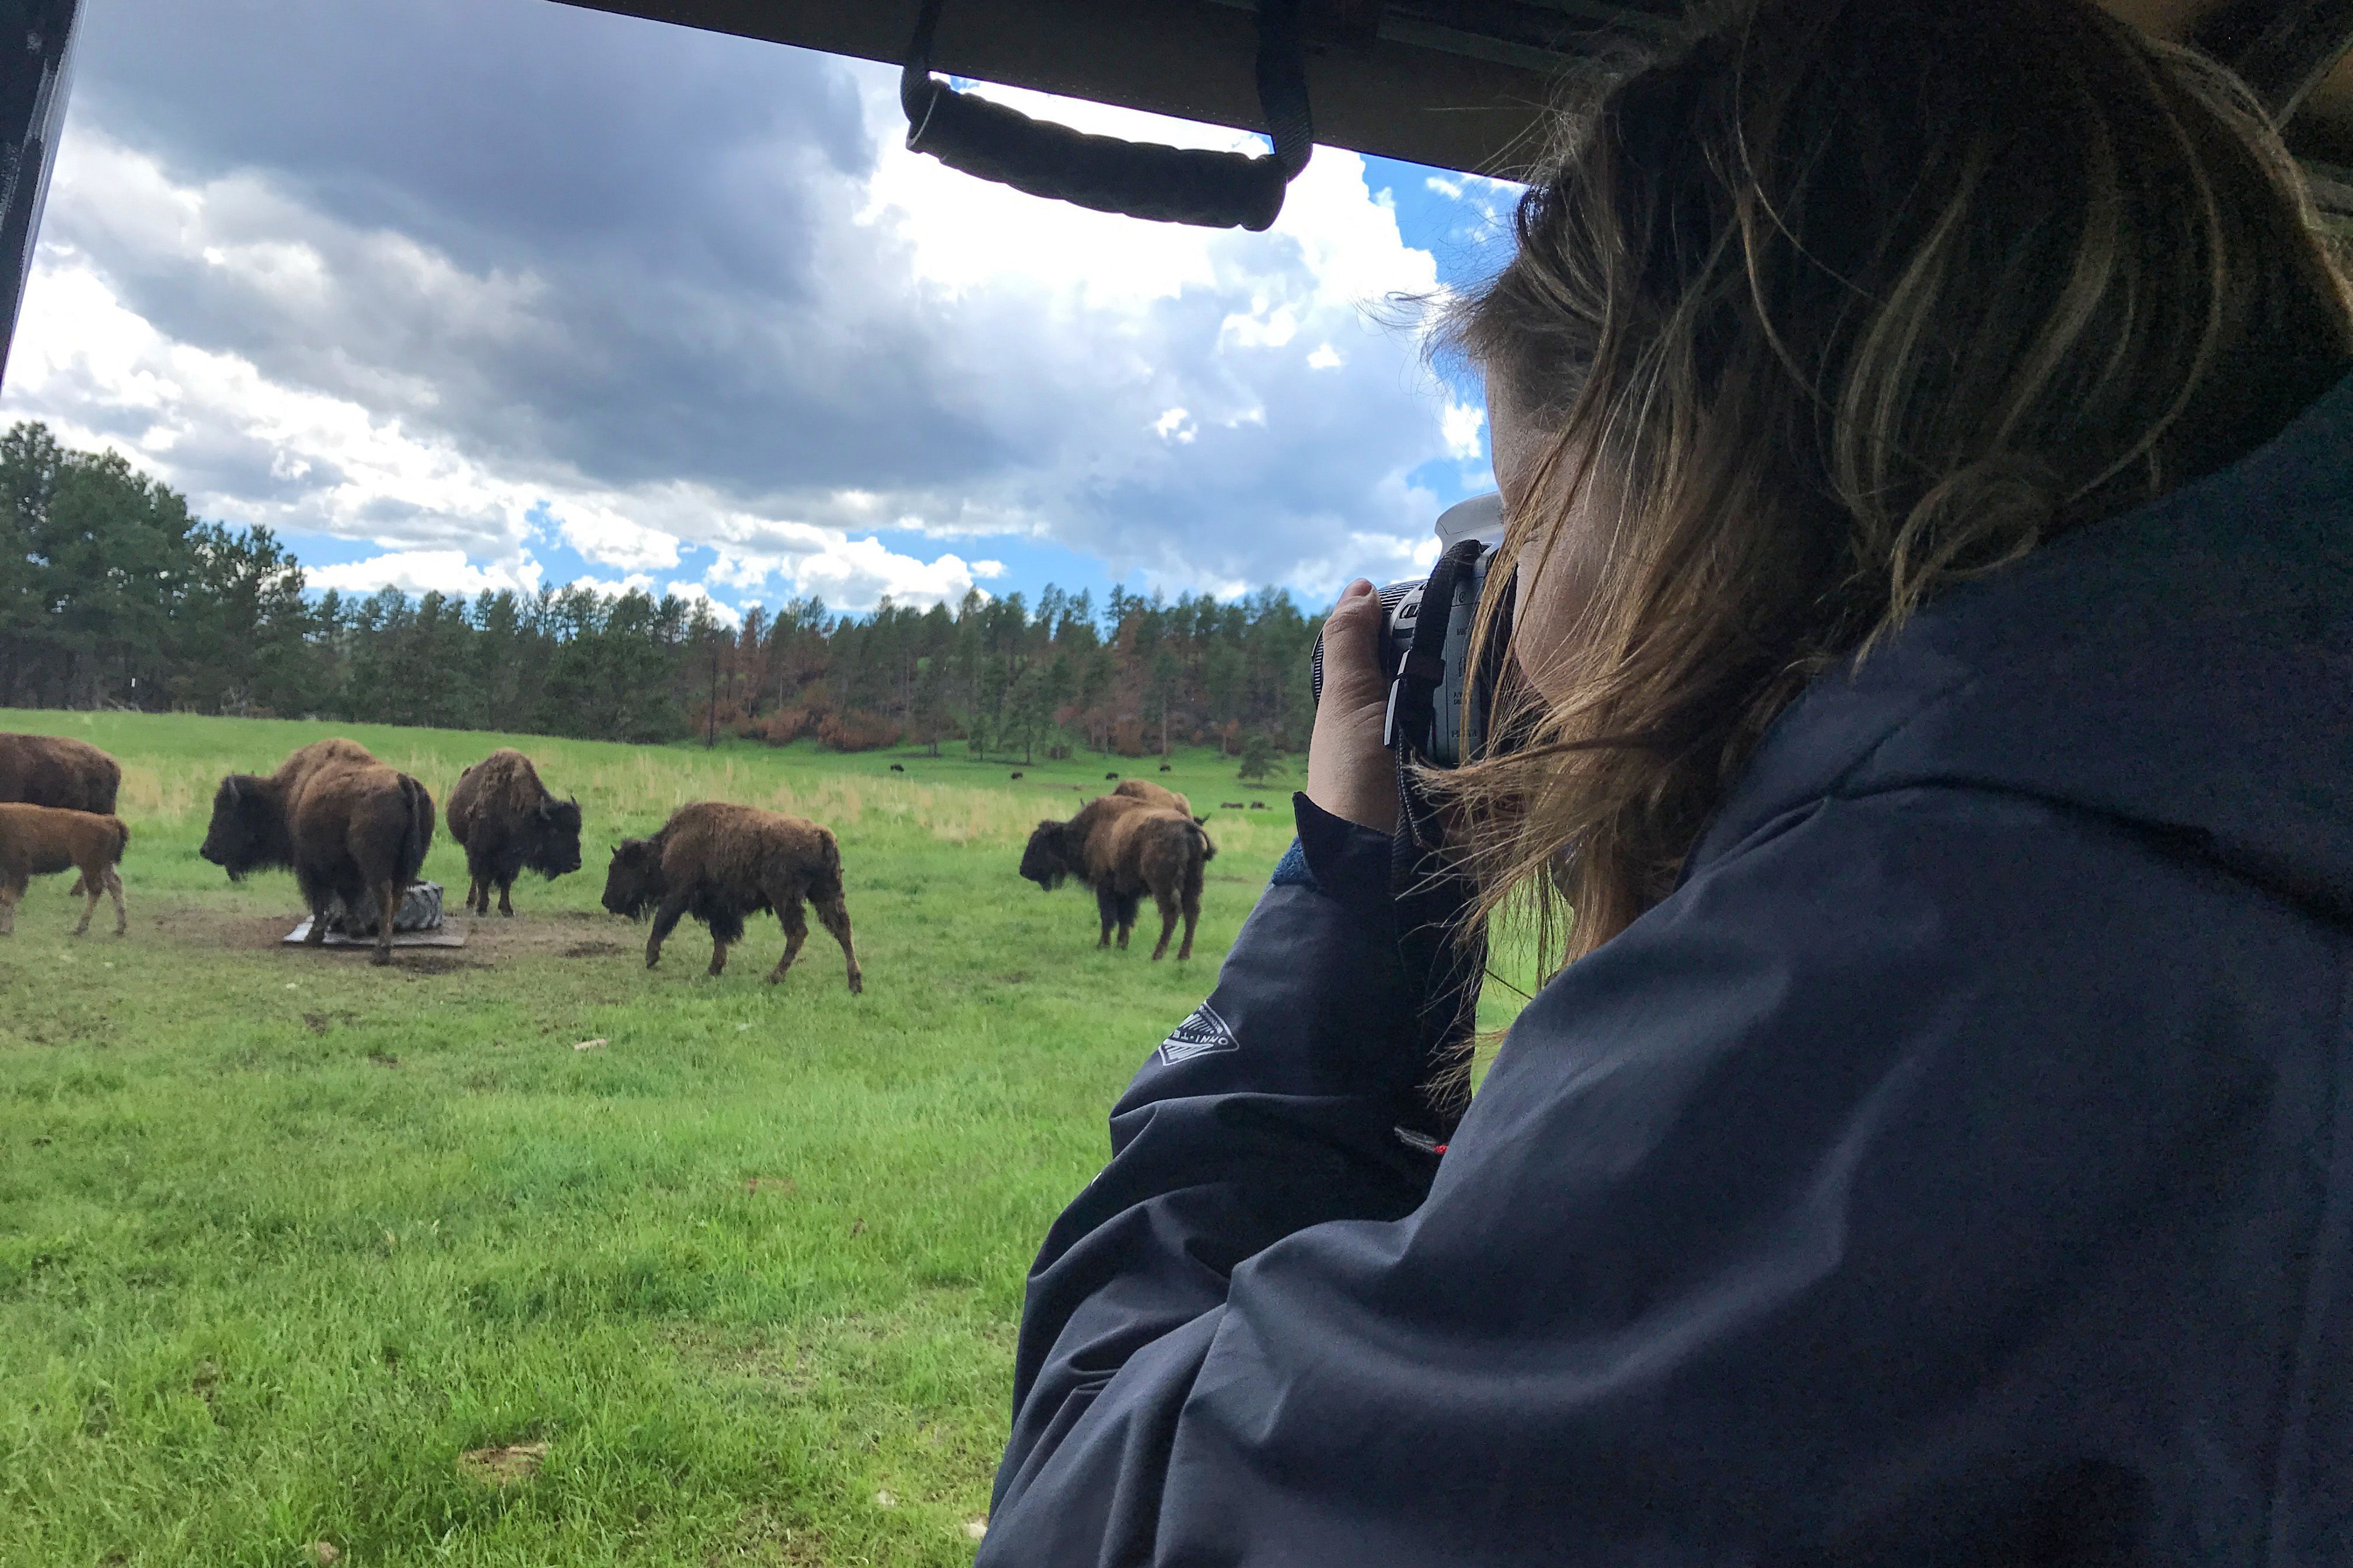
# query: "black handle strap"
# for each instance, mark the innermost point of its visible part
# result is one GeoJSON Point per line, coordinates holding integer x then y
{"type": "Point", "coordinates": [1137, 179]}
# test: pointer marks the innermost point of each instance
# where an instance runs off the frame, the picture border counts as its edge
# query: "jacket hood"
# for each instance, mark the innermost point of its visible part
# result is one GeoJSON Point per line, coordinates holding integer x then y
{"type": "Point", "coordinates": [2185, 667]}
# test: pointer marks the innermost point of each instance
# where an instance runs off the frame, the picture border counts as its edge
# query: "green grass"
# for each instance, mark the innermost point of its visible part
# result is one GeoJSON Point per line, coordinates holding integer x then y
{"type": "Point", "coordinates": [283, 1235]}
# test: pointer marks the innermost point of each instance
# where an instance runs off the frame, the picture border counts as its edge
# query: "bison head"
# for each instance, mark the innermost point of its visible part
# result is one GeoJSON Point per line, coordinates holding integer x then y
{"type": "Point", "coordinates": [552, 838]}
{"type": "Point", "coordinates": [249, 826]}
{"type": "Point", "coordinates": [1047, 859]}
{"type": "Point", "coordinates": [634, 880]}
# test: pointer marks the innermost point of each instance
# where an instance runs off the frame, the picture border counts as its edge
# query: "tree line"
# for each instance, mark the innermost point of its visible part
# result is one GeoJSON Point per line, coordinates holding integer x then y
{"type": "Point", "coordinates": [113, 594]}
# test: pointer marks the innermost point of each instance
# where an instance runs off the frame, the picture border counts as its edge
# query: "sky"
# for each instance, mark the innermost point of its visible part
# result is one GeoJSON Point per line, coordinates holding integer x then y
{"type": "Point", "coordinates": [469, 294]}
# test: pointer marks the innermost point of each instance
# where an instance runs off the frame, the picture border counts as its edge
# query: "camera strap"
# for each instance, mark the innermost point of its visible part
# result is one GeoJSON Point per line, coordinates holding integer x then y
{"type": "Point", "coordinates": [1413, 690]}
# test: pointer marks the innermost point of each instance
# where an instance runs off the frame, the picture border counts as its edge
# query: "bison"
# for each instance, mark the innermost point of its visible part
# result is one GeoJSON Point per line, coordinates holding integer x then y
{"type": "Point", "coordinates": [41, 840]}
{"type": "Point", "coordinates": [1123, 847]}
{"type": "Point", "coordinates": [50, 770]}
{"type": "Point", "coordinates": [721, 863]}
{"type": "Point", "coordinates": [350, 829]}
{"type": "Point", "coordinates": [1152, 794]}
{"type": "Point", "coordinates": [506, 820]}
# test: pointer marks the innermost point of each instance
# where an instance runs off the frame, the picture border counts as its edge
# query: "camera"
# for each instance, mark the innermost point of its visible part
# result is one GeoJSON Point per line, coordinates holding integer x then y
{"type": "Point", "coordinates": [1438, 706]}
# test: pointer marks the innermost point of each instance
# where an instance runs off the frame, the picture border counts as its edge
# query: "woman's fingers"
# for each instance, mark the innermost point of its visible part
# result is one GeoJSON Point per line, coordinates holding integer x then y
{"type": "Point", "coordinates": [1350, 774]}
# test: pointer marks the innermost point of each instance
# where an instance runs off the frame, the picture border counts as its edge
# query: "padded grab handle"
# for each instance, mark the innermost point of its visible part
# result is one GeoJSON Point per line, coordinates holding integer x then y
{"type": "Point", "coordinates": [1137, 179]}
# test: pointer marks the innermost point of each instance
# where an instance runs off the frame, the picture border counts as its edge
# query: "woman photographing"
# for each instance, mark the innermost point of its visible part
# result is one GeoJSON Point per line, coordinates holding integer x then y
{"type": "Point", "coordinates": [1928, 465]}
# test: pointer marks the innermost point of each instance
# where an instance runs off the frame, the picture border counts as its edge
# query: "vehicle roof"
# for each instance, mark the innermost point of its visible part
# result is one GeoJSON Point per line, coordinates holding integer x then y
{"type": "Point", "coordinates": [1458, 84]}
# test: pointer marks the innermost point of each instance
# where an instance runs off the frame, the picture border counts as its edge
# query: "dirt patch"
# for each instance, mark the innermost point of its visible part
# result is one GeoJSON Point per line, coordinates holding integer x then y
{"type": "Point", "coordinates": [570, 933]}
{"type": "Point", "coordinates": [504, 1464]}
{"type": "Point", "coordinates": [435, 963]}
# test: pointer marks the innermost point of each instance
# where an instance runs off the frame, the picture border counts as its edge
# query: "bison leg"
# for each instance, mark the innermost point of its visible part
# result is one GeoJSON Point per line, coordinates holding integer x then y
{"type": "Point", "coordinates": [789, 915]}
{"type": "Point", "coordinates": [1192, 909]}
{"type": "Point", "coordinates": [1106, 906]}
{"type": "Point", "coordinates": [390, 902]}
{"type": "Point", "coordinates": [1167, 904]}
{"type": "Point", "coordinates": [1128, 905]}
{"type": "Point", "coordinates": [834, 915]}
{"type": "Point", "coordinates": [505, 885]}
{"type": "Point", "coordinates": [96, 886]}
{"type": "Point", "coordinates": [114, 891]}
{"type": "Point", "coordinates": [666, 921]}
{"type": "Point", "coordinates": [718, 957]}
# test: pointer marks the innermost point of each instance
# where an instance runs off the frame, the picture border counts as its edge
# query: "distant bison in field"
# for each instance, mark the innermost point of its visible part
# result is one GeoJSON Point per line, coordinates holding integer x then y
{"type": "Point", "coordinates": [898, 767]}
{"type": "Point", "coordinates": [42, 840]}
{"type": "Point", "coordinates": [1258, 806]}
{"type": "Point", "coordinates": [721, 863]}
{"type": "Point", "coordinates": [350, 829]}
{"type": "Point", "coordinates": [1111, 775]}
{"type": "Point", "coordinates": [1167, 767]}
{"type": "Point", "coordinates": [1017, 775]}
{"type": "Point", "coordinates": [1123, 847]}
{"type": "Point", "coordinates": [506, 821]}
{"type": "Point", "coordinates": [1229, 806]}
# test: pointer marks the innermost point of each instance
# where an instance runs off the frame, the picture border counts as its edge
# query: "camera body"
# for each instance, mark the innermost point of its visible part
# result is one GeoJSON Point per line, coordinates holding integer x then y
{"type": "Point", "coordinates": [1439, 705]}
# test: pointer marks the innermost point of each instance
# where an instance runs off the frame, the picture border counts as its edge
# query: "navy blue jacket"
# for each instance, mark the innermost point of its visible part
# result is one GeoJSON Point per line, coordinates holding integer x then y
{"type": "Point", "coordinates": [1957, 1169]}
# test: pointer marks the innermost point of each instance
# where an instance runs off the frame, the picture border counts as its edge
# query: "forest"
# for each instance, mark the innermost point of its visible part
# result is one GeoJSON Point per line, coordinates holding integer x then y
{"type": "Point", "coordinates": [113, 594]}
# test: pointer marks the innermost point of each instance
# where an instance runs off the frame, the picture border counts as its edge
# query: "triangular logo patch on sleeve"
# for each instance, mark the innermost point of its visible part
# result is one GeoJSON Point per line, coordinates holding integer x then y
{"type": "Point", "coordinates": [1201, 1032]}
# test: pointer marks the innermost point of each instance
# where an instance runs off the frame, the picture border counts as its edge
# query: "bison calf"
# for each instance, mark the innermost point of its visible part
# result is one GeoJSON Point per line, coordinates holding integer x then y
{"type": "Point", "coordinates": [1123, 847]}
{"type": "Point", "coordinates": [41, 840]}
{"type": "Point", "coordinates": [506, 821]}
{"type": "Point", "coordinates": [723, 863]}
{"type": "Point", "coordinates": [351, 829]}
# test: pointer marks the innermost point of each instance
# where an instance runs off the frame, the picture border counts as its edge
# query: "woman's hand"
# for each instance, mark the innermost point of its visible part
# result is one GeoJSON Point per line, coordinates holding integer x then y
{"type": "Point", "coordinates": [1349, 773]}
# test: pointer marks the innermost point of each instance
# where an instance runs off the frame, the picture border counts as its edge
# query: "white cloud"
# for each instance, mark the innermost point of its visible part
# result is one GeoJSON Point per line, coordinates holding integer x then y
{"type": "Point", "coordinates": [425, 572]}
{"type": "Point", "coordinates": [1324, 357]}
{"type": "Point", "coordinates": [1462, 423]}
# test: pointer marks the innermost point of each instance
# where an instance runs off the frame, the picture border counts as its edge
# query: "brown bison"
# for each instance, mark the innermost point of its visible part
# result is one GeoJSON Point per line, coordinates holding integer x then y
{"type": "Point", "coordinates": [41, 840]}
{"type": "Point", "coordinates": [1123, 847]}
{"type": "Point", "coordinates": [1151, 794]}
{"type": "Point", "coordinates": [721, 863]}
{"type": "Point", "coordinates": [351, 829]}
{"type": "Point", "coordinates": [50, 770]}
{"type": "Point", "coordinates": [506, 821]}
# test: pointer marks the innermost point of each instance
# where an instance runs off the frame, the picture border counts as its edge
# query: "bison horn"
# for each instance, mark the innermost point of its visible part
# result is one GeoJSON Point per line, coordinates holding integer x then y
{"type": "Point", "coordinates": [231, 781]}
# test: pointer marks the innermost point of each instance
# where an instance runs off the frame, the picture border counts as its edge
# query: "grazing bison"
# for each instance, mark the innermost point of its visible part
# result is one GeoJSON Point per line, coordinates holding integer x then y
{"type": "Point", "coordinates": [1123, 847]}
{"type": "Point", "coordinates": [41, 840]}
{"type": "Point", "coordinates": [505, 820]}
{"type": "Point", "coordinates": [350, 829]}
{"type": "Point", "coordinates": [721, 863]}
{"type": "Point", "coordinates": [898, 767]}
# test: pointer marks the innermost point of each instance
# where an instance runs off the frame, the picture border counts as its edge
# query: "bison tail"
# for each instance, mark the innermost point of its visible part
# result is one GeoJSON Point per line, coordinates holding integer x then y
{"type": "Point", "coordinates": [417, 835]}
{"type": "Point", "coordinates": [829, 863]}
{"type": "Point", "coordinates": [122, 839]}
{"type": "Point", "coordinates": [1208, 849]}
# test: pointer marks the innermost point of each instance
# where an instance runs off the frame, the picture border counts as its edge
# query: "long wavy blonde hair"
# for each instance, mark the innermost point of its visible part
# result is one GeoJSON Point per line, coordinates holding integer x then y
{"type": "Point", "coordinates": [1846, 303]}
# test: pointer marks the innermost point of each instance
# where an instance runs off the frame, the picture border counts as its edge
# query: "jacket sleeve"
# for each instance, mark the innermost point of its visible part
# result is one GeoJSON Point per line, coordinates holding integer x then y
{"type": "Point", "coordinates": [1821, 1209]}
{"type": "Point", "coordinates": [1292, 1096]}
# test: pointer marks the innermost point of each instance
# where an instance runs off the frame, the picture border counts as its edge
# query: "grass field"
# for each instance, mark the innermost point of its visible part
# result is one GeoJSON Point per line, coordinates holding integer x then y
{"type": "Point", "coordinates": [284, 1237]}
